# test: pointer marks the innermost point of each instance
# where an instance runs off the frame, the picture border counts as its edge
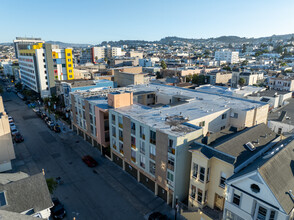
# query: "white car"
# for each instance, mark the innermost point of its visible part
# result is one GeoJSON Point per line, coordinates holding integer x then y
{"type": "Point", "coordinates": [10, 119]}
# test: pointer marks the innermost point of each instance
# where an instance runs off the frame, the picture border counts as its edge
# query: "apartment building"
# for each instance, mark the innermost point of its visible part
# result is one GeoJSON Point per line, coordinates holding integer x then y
{"type": "Point", "coordinates": [42, 64]}
{"type": "Point", "coordinates": [89, 115]}
{"type": "Point", "coordinates": [219, 78]}
{"type": "Point", "coordinates": [150, 139]}
{"type": "Point", "coordinates": [216, 157]}
{"type": "Point", "coordinates": [6, 148]}
{"type": "Point", "coordinates": [227, 55]}
{"type": "Point", "coordinates": [251, 78]}
{"type": "Point", "coordinates": [23, 43]}
{"type": "Point", "coordinates": [281, 83]}
{"type": "Point", "coordinates": [263, 189]}
{"type": "Point", "coordinates": [92, 55]}
{"type": "Point", "coordinates": [113, 52]}
{"type": "Point", "coordinates": [128, 78]}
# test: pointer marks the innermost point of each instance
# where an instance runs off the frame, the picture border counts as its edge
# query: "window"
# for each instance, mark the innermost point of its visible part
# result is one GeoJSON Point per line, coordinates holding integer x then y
{"type": "Point", "coordinates": [223, 127]}
{"type": "Point", "coordinates": [133, 142]}
{"type": "Point", "coordinates": [224, 116]}
{"type": "Point", "coordinates": [133, 128]}
{"type": "Point", "coordinates": [272, 215]}
{"type": "Point", "coordinates": [236, 197]}
{"type": "Point", "coordinates": [70, 71]}
{"type": "Point", "coordinates": [113, 132]}
{"type": "Point", "coordinates": [142, 161]}
{"type": "Point", "coordinates": [171, 163]}
{"type": "Point", "coordinates": [170, 176]}
{"type": "Point", "coordinates": [235, 115]}
{"type": "Point", "coordinates": [2, 199]}
{"type": "Point", "coordinates": [44, 66]}
{"type": "Point", "coordinates": [63, 65]}
{"type": "Point", "coordinates": [121, 148]}
{"type": "Point", "coordinates": [120, 122]}
{"type": "Point", "coordinates": [202, 174]}
{"type": "Point", "coordinates": [152, 152]}
{"type": "Point", "coordinates": [152, 167]}
{"type": "Point", "coordinates": [261, 215]}
{"type": "Point", "coordinates": [207, 177]}
{"type": "Point", "coordinates": [120, 135]}
{"type": "Point", "coordinates": [222, 180]}
{"type": "Point", "coordinates": [202, 124]}
{"type": "Point", "coordinates": [193, 191]}
{"type": "Point", "coordinates": [199, 196]}
{"type": "Point", "coordinates": [142, 147]}
{"type": "Point", "coordinates": [152, 137]}
{"type": "Point", "coordinates": [113, 119]}
{"type": "Point", "coordinates": [69, 65]}
{"type": "Point", "coordinates": [133, 156]}
{"type": "Point", "coordinates": [69, 60]}
{"type": "Point", "coordinates": [195, 170]}
{"type": "Point", "coordinates": [68, 54]}
{"type": "Point", "coordinates": [205, 196]}
{"type": "Point", "coordinates": [142, 133]}
{"type": "Point", "coordinates": [255, 188]}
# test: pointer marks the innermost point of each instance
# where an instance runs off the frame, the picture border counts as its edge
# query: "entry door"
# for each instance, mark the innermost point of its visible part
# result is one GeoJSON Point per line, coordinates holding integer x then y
{"type": "Point", "coordinates": [219, 202]}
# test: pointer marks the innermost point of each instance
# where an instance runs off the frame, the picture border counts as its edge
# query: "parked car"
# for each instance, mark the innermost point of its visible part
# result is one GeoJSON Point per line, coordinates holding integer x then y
{"type": "Point", "coordinates": [57, 128]}
{"type": "Point", "coordinates": [57, 211]}
{"type": "Point", "coordinates": [10, 119]}
{"type": "Point", "coordinates": [157, 216]}
{"type": "Point", "coordinates": [14, 131]}
{"type": "Point", "coordinates": [90, 161]}
{"type": "Point", "coordinates": [43, 115]}
{"type": "Point", "coordinates": [50, 124]}
{"type": "Point", "coordinates": [47, 119]}
{"type": "Point", "coordinates": [12, 125]}
{"type": "Point", "coordinates": [18, 138]}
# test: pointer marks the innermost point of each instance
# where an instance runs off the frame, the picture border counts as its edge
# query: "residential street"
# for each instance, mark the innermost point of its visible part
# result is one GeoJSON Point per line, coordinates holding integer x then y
{"type": "Point", "coordinates": [110, 193]}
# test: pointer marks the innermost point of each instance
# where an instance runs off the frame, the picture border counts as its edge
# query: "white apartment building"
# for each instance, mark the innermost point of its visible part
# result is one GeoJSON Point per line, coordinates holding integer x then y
{"type": "Point", "coordinates": [41, 65]}
{"type": "Point", "coordinates": [285, 83]}
{"type": "Point", "coordinates": [92, 55]}
{"type": "Point", "coordinates": [227, 55]}
{"type": "Point", "coordinates": [150, 139]}
{"type": "Point", "coordinates": [113, 52]}
{"type": "Point", "coordinates": [23, 43]}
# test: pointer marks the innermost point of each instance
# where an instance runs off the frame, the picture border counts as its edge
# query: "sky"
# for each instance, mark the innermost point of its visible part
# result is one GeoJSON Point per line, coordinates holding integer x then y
{"type": "Point", "coordinates": [94, 21]}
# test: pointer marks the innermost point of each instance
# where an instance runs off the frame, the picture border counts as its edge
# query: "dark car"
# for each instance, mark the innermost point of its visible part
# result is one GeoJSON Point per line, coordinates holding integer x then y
{"type": "Point", "coordinates": [18, 138]}
{"type": "Point", "coordinates": [157, 216]}
{"type": "Point", "coordinates": [57, 211]}
{"type": "Point", "coordinates": [56, 128]}
{"type": "Point", "coordinates": [89, 161]}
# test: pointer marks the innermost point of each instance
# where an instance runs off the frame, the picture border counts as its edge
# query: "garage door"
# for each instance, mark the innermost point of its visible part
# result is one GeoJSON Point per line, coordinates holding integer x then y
{"type": "Point", "coordinates": [117, 160]}
{"type": "Point", "coordinates": [131, 170]}
{"type": "Point", "coordinates": [147, 182]}
{"type": "Point", "coordinates": [162, 193]}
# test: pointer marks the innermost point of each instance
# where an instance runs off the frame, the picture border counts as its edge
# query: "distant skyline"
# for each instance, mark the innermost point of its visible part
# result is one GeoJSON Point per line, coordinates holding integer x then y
{"type": "Point", "coordinates": [94, 21]}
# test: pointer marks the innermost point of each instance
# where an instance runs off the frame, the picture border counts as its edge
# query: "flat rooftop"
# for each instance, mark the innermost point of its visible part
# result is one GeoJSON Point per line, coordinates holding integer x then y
{"type": "Point", "coordinates": [270, 93]}
{"type": "Point", "coordinates": [197, 105]}
{"type": "Point", "coordinates": [289, 116]}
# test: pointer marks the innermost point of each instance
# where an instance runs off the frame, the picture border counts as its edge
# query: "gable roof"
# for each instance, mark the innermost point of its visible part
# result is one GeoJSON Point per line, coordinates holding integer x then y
{"type": "Point", "coordinates": [28, 193]}
{"type": "Point", "coordinates": [278, 173]}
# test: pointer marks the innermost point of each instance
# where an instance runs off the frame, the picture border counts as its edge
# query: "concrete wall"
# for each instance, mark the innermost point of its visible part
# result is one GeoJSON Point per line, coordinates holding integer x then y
{"type": "Point", "coordinates": [120, 100]}
{"type": "Point", "coordinates": [161, 158]}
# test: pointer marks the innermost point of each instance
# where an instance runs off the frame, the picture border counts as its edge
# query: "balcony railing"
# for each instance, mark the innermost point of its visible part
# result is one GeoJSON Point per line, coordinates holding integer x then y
{"type": "Point", "coordinates": [121, 151]}
{"type": "Point", "coordinates": [172, 150]}
{"type": "Point", "coordinates": [153, 157]}
{"type": "Point", "coordinates": [134, 146]}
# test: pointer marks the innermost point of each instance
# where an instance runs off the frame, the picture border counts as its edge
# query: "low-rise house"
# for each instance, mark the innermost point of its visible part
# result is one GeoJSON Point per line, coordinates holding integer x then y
{"type": "Point", "coordinates": [263, 189]}
{"type": "Point", "coordinates": [216, 157]}
{"type": "Point", "coordinates": [28, 195]}
{"type": "Point", "coordinates": [281, 83]}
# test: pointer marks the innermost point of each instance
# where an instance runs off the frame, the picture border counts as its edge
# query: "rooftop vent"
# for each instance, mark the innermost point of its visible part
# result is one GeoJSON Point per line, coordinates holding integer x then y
{"type": "Point", "coordinates": [250, 146]}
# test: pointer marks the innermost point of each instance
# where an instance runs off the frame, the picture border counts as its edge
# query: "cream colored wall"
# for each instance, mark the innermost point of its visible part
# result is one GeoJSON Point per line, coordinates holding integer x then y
{"type": "Point", "coordinates": [223, 78]}
{"type": "Point", "coordinates": [120, 100]}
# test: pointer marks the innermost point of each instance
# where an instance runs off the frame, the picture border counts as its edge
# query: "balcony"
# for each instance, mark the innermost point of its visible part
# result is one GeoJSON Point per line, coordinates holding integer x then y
{"type": "Point", "coordinates": [114, 146]}
{"type": "Point", "coordinates": [133, 159]}
{"type": "Point", "coordinates": [153, 157]}
{"type": "Point", "coordinates": [142, 136]}
{"type": "Point", "coordinates": [121, 138]}
{"type": "Point", "coordinates": [121, 151]}
{"type": "Point", "coordinates": [134, 146]}
{"type": "Point", "coordinates": [120, 125]}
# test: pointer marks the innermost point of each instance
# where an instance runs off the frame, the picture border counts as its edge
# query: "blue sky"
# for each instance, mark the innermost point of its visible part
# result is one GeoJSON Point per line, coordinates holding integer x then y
{"type": "Point", "coordinates": [93, 21]}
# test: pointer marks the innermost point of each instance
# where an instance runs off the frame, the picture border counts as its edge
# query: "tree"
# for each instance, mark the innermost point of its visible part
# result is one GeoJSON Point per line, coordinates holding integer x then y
{"type": "Point", "coordinates": [244, 63]}
{"type": "Point", "coordinates": [244, 48]}
{"type": "Point", "coordinates": [158, 75]}
{"type": "Point", "coordinates": [227, 68]}
{"type": "Point", "coordinates": [189, 78]}
{"type": "Point", "coordinates": [283, 64]}
{"type": "Point", "coordinates": [1, 89]}
{"type": "Point", "coordinates": [52, 184]}
{"type": "Point", "coordinates": [163, 64]}
{"type": "Point", "coordinates": [241, 82]}
{"type": "Point", "coordinates": [18, 86]}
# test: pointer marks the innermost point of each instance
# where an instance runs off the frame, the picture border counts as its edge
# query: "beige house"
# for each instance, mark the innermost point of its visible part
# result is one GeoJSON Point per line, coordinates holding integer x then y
{"type": "Point", "coordinates": [125, 78]}
{"type": "Point", "coordinates": [218, 156]}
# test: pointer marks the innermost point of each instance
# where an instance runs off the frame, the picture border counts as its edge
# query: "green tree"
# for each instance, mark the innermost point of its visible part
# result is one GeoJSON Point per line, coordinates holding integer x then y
{"type": "Point", "coordinates": [52, 184]}
{"type": "Point", "coordinates": [195, 79]}
{"type": "Point", "coordinates": [163, 64]}
{"type": "Point", "coordinates": [158, 75]}
{"type": "Point", "coordinates": [244, 63]}
{"type": "Point", "coordinates": [189, 78]}
{"type": "Point", "coordinates": [283, 64]}
{"type": "Point", "coordinates": [241, 82]}
{"type": "Point", "coordinates": [243, 48]}
{"type": "Point", "coordinates": [227, 68]}
{"type": "Point", "coordinates": [105, 59]}
{"type": "Point", "coordinates": [1, 89]}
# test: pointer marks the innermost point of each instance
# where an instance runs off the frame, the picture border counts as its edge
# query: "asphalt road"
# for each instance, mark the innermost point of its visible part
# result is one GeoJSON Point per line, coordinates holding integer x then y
{"type": "Point", "coordinates": [110, 193]}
